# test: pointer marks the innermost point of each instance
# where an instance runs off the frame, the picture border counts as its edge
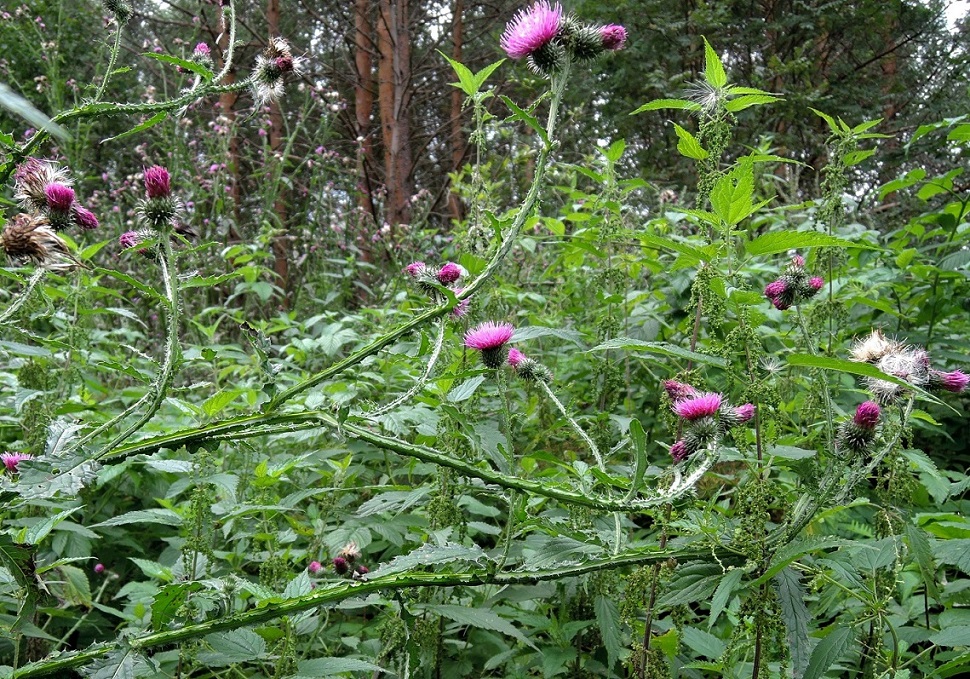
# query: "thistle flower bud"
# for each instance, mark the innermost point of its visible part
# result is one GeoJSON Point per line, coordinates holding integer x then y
{"type": "Point", "coordinates": [744, 412]}
{"type": "Point", "coordinates": [84, 217]}
{"type": "Point", "coordinates": [678, 451]}
{"type": "Point", "coordinates": [856, 435]}
{"type": "Point", "coordinates": [99, 568]}
{"type": "Point", "coordinates": [462, 307]}
{"type": "Point", "coordinates": [515, 357]}
{"type": "Point", "coordinates": [314, 567]}
{"type": "Point", "coordinates": [158, 182]}
{"type": "Point", "coordinates": [867, 415]}
{"type": "Point", "coordinates": [678, 391]}
{"type": "Point", "coordinates": [414, 269]}
{"type": "Point", "coordinates": [955, 381]}
{"type": "Point", "coordinates": [449, 273]}
{"type": "Point", "coordinates": [160, 208]}
{"type": "Point", "coordinates": [531, 370]}
{"type": "Point", "coordinates": [340, 565]}
{"type": "Point", "coordinates": [613, 37]}
{"type": "Point", "coordinates": [121, 9]}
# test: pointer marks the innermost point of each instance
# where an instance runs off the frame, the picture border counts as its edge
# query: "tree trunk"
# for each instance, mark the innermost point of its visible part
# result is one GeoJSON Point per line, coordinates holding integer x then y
{"type": "Point", "coordinates": [457, 141]}
{"type": "Point", "coordinates": [281, 258]}
{"type": "Point", "coordinates": [363, 108]}
{"type": "Point", "coordinates": [394, 80]}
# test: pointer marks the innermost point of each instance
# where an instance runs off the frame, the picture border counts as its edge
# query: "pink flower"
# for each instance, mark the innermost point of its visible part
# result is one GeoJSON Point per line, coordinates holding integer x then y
{"type": "Point", "coordinates": [613, 37]}
{"type": "Point", "coordinates": [798, 260]}
{"type": "Point", "coordinates": [678, 391]}
{"type": "Point", "coordinates": [157, 182]}
{"type": "Point", "coordinates": [515, 357]}
{"type": "Point", "coordinates": [129, 239]}
{"type": "Point", "coordinates": [361, 569]}
{"type": "Point", "coordinates": [678, 451]}
{"type": "Point", "coordinates": [99, 568]}
{"type": "Point", "coordinates": [60, 198]}
{"type": "Point", "coordinates": [816, 283]}
{"type": "Point", "coordinates": [414, 268]}
{"type": "Point", "coordinates": [775, 289]}
{"type": "Point", "coordinates": [867, 415]}
{"type": "Point", "coordinates": [202, 50]}
{"type": "Point", "coordinates": [955, 381]}
{"type": "Point", "coordinates": [745, 412]}
{"type": "Point", "coordinates": [703, 405]}
{"type": "Point", "coordinates": [462, 308]}
{"type": "Point", "coordinates": [531, 29]}
{"type": "Point", "coordinates": [11, 460]}
{"type": "Point", "coordinates": [449, 273]}
{"type": "Point", "coordinates": [84, 217]}
{"type": "Point", "coordinates": [315, 567]}
{"type": "Point", "coordinates": [340, 565]}
{"type": "Point", "coordinates": [489, 335]}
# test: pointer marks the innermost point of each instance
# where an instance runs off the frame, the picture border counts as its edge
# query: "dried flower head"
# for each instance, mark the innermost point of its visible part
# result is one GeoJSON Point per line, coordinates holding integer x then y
{"type": "Point", "coordinates": [12, 460]}
{"type": "Point", "coordinates": [870, 349]}
{"type": "Point", "coordinates": [272, 65]}
{"type": "Point", "coordinates": [30, 236]}
{"type": "Point", "coordinates": [350, 552]}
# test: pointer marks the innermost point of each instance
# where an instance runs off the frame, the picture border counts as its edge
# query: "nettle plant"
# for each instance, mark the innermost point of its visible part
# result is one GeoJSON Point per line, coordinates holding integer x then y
{"type": "Point", "coordinates": [324, 528]}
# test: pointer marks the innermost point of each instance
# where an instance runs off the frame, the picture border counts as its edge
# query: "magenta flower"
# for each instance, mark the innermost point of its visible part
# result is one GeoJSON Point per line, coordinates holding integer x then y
{"type": "Point", "coordinates": [703, 405]}
{"type": "Point", "coordinates": [745, 412]}
{"type": "Point", "coordinates": [489, 335]}
{"type": "Point", "coordinates": [955, 381]}
{"type": "Point", "coordinates": [414, 268]}
{"type": "Point", "coordinates": [314, 567]}
{"type": "Point", "coordinates": [678, 391]}
{"type": "Point", "coordinates": [340, 565]}
{"type": "Point", "coordinates": [798, 261]}
{"type": "Point", "coordinates": [775, 289]}
{"type": "Point", "coordinates": [157, 182]}
{"type": "Point", "coordinates": [60, 198]}
{"type": "Point", "coordinates": [678, 451]}
{"type": "Point", "coordinates": [531, 29]}
{"type": "Point", "coordinates": [449, 273]}
{"type": "Point", "coordinates": [462, 308]}
{"type": "Point", "coordinates": [202, 50]}
{"type": "Point", "coordinates": [613, 37]}
{"type": "Point", "coordinates": [867, 415]}
{"type": "Point", "coordinates": [84, 217]}
{"type": "Point", "coordinates": [99, 568]}
{"type": "Point", "coordinates": [515, 357]}
{"type": "Point", "coordinates": [816, 283]}
{"type": "Point", "coordinates": [129, 239]}
{"type": "Point", "coordinates": [11, 460]}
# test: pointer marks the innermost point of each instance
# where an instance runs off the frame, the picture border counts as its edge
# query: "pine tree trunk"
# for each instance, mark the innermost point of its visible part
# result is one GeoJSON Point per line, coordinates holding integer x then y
{"type": "Point", "coordinates": [457, 141]}
{"type": "Point", "coordinates": [394, 80]}
{"type": "Point", "coordinates": [363, 108]}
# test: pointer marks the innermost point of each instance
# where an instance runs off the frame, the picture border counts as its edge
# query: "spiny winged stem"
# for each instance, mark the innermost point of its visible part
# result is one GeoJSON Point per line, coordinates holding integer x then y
{"type": "Point", "coordinates": [35, 278]}
{"type": "Point", "coordinates": [230, 17]}
{"type": "Point", "coordinates": [575, 425]}
{"type": "Point", "coordinates": [172, 347]}
{"type": "Point", "coordinates": [112, 59]}
{"type": "Point", "coordinates": [521, 215]}
{"type": "Point", "coordinates": [419, 384]}
{"type": "Point", "coordinates": [822, 382]}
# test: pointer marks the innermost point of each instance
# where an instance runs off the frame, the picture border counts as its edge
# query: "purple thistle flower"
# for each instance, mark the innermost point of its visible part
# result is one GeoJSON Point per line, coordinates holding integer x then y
{"type": "Point", "coordinates": [703, 405]}
{"type": "Point", "coordinates": [414, 268]}
{"type": "Point", "coordinates": [816, 283]}
{"type": "Point", "coordinates": [340, 565]}
{"type": "Point", "coordinates": [798, 261]}
{"type": "Point", "coordinates": [157, 182]}
{"type": "Point", "coordinates": [515, 357]}
{"type": "Point", "coordinates": [449, 273]}
{"type": "Point", "coordinates": [489, 335]}
{"type": "Point", "coordinates": [531, 29]}
{"type": "Point", "coordinates": [678, 391]}
{"type": "Point", "coordinates": [955, 381]}
{"type": "Point", "coordinates": [613, 36]}
{"type": "Point", "coordinates": [84, 217]}
{"type": "Point", "coordinates": [867, 415]}
{"type": "Point", "coordinates": [314, 567]}
{"type": "Point", "coordinates": [462, 308]}
{"type": "Point", "coordinates": [678, 451]}
{"type": "Point", "coordinates": [99, 568]}
{"type": "Point", "coordinates": [745, 412]}
{"type": "Point", "coordinates": [775, 289]}
{"type": "Point", "coordinates": [361, 569]}
{"type": "Point", "coordinates": [60, 198]}
{"type": "Point", "coordinates": [129, 239]}
{"type": "Point", "coordinates": [202, 50]}
{"type": "Point", "coordinates": [11, 460]}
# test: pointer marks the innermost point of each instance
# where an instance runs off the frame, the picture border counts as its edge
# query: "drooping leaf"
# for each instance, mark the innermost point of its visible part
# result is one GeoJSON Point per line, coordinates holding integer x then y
{"type": "Point", "coordinates": [722, 595]}
{"type": "Point", "coordinates": [331, 667]}
{"type": "Point", "coordinates": [828, 652]}
{"type": "Point", "coordinates": [663, 348]}
{"type": "Point", "coordinates": [480, 617]}
{"type": "Point", "coordinates": [611, 632]}
{"type": "Point", "coordinates": [795, 615]}
{"type": "Point", "coordinates": [782, 241]}
{"type": "Point", "coordinates": [704, 643]}
{"type": "Point", "coordinates": [234, 646]}
{"type": "Point", "coordinates": [694, 582]}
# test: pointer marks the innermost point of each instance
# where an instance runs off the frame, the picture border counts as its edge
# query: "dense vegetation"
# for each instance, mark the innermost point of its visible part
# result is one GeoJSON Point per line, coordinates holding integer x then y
{"type": "Point", "coordinates": [332, 344]}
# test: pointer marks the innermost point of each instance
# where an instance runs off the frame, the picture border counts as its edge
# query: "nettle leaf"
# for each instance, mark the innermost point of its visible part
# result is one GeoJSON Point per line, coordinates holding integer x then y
{"type": "Point", "coordinates": [782, 241]}
{"type": "Point", "coordinates": [795, 615]}
{"type": "Point", "coordinates": [611, 630]}
{"type": "Point", "coordinates": [166, 517]}
{"type": "Point", "coordinates": [704, 643]}
{"type": "Point", "coordinates": [533, 331]}
{"type": "Point", "coordinates": [432, 555]}
{"type": "Point", "coordinates": [688, 144]}
{"type": "Point", "coordinates": [235, 646]}
{"type": "Point", "coordinates": [33, 535]}
{"type": "Point", "coordinates": [731, 197]}
{"type": "Point", "coordinates": [694, 582]}
{"type": "Point", "coordinates": [124, 663]}
{"type": "Point", "coordinates": [722, 596]}
{"type": "Point", "coordinates": [922, 551]}
{"type": "Point", "coordinates": [663, 348]}
{"type": "Point", "coordinates": [828, 652]}
{"type": "Point", "coordinates": [550, 551]}
{"type": "Point", "coordinates": [395, 501]}
{"type": "Point", "coordinates": [465, 390]}
{"type": "Point", "coordinates": [480, 617]}
{"type": "Point", "coordinates": [660, 104]}
{"type": "Point", "coordinates": [954, 552]}
{"type": "Point", "coordinates": [168, 601]}
{"type": "Point", "coordinates": [329, 667]}
{"type": "Point", "coordinates": [714, 72]}
{"type": "Point", "coordinates": [958, 635]}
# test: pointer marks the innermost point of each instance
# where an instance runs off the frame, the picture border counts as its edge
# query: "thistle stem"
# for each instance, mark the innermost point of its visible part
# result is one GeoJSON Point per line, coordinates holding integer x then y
{"type": "Point", "coordinates": [112, 59]}
{"type": "Point", "coordinates": [575, 425]}
{"type": "Point", "coordinates": [419, 384]}
{"type": "Point", "coordinates": [32, 282]}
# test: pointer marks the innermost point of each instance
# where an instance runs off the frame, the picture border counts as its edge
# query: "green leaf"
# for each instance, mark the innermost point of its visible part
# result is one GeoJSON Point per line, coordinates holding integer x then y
{"type": "Point", "coordinates": [919, 546]}
{"type": "Point", "coordinates": [331, 667]}
{"type": "Point", "coordinates": [480, 617]}
{"type": "Point", "coordinates": [22, 108]}
{"type": "Point", "coordinates": [695, 253]}
{"type": "Point", "coordinates": [184, 63]}
{"type": "Point", "coordinates": [747, 100]}
{"type": "Point", "coordinates": [795, 615]}
{"type": "Point", "coordinates": [238, 645]}
{"type": "Point", "coordinates": [722, 595]}
{"type": "Point", "coordinates": [828, 652]}
{"type": "Point", "coordinates": [827, 118]}
{"type": "Point", "coordinates": [218, 401]}
{"type": "Point", "coordinates": [123, 663]}
{"type": "Point", "coordinates": [526, 117]}
{"type": "Point", "coordinates": [694, 582]}
{"type": "Point", "coordinates": [676, 104]}
{"type": "Point", "coordinates": [165, 517]}
{"type": "Point", "coordinates": [432, 555]}
{"type": "Point", "coordinates": [615, 151]}
{"type": "Point", "coordinates": [483, 74]}
{"type": "Point", "coordinates": [33, 535]}
{"type": "Point", "coordinates": [713, 68]}
{"type": "Point", "coordinates": [608, 619]}
{"type": "Point", "coordinates": [782, 241]}
{"type": "Point", "coordinates": [663, 348]}
{"type": "Point", "coordinates": [959, 133]}
{"type": "Point", "coordinates": [168, 601]}
{"type": "Point", "coordinates": [466, 80]}
{"type": "Point", "coordinates": [464, 391]}
{"type": "Point", "coordinates": [688, 144]}
{"type": "Point", "coordinates": [151, 122]}
{"type": "Point", "coordinates": [639, 438]}
{"type": "Point", "coordinates": [702, 642]}
{"type": "Point", "coordinates": [731, 197]}
{"type": "Point", "coordinates": [958, 635]}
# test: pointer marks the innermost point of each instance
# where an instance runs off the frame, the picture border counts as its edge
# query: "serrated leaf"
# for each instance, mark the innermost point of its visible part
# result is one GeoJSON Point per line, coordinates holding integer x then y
{"type": "Point", "coordinates": [676, 104]}
{"type": "Point", "coordinates": [533, 331]}
{"type": "Point", "coordinates": [828, 652]}
{"type": "Point", "coordinates": [782, 241]}
{"type": "Point", "coordinates": [919, 546]}
{"type": "Point", "coordinates": [827, 118]}
{"type": "Point", "coordinates": [432, 555]}
{"type": "Point", "coordinates": [608, 620]}
{"type": "Point", "coordinates": [168, 601]}
{"type": "Point", "coordinates": [694, 582]}
{"type": "Point", "coordinates": [713, 68]}
{"type": "Point", "coordinates": [748, 100]}
{"type": "Point", "coordinates": [795, 615]}
{"type": "Point", "coordinates": [480, 617]}
{"type": "Point", "coordinates": [40, 530]}
{"type": "Point", "coordinates": [184, 63]}
{"type": "Point", "coordinates": [329, 667]}
{"type": "Point", "coordinates": [238, 645]}
{"type": "Point", "coordinates": [526, 117]}
{"type": "Point", "coordinates": [663, 348]}
{"type": "Point", "coordinates": [218, 401]}
{"type": "Point", "coordinates": [695, 253]}
{"type": "Point", "coordinates": [298, 586]}
{"type": "Point", "coordinates": [395, 501]}
{"type": "Point", "coordinates": [954, 552]}
{"type": "Point", "coordinates": [465, 390]}
{"type": "Point", "coordinates": [688, 144]}
{"type": "Point", "coordinates": [165, 517]}
{"type": "Point", "coordinates": [702, 642]}
{"type": "Point", "coordinates": [123, 663]}
{"type": "Point", "coordinates": [957, 635]}
{"type": "Point", "coordinates": [722, 595]}
{"type": "Point", "coordinates": [151, 122]}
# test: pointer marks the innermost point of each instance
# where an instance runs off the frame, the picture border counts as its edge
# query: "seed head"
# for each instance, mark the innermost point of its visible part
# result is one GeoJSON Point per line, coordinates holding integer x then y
{"type": "Point", "coordinates": [30, 236]}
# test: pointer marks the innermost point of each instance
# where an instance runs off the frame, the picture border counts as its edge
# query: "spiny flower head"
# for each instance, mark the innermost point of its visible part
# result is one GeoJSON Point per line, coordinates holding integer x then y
{"type": "Point", "coordinates": [415, 268]}
{"type": "Point", "coordinates": [794, 286]}
{"type": "Point", "coordinates": [60, 197]}
{"type": "Point", "coordinates": [955, 381]}
{"type": "Point", "coordinates": [202, 50]}
{"type": "Point", "coordinates": [31, 236]}
{"type": "Point", "coordinates": [350, 552]}
{"type": "Point", "coordinates": [696, 407]}
{"type": "Point", "coordinates": [84, 217]}
{"type": "Point", "coordinates": [462, 307]}
{"type": "Point", "coordinates": [272, 65]}
{"type": "Point", "coordinates": [31, 180]}
{"type": "Point", "coordinates": [678, 391]}
{"type": "Point", "coordinates": [158, 182]}
{"type": "Point", "coordinates": [613, 37]}
{"type": "Point", "coordinates": [490, 339]}
{"type": "Point", "coordinates": [340, 565]}
{"type": "Point", "coordinates": [867, 415]}
{"type": "Point", "coordinates": [11, 460]}
{"type": "Point", "coordinates": [449, 273]}
{"type": "Point", "coordinates": [314, 567]}
{"type": "Point", "coordinates": [744, 412]}
{"type": "Point", "coordinates": [532, 29]}
{"type": "Point", "coordinates": [515, 357]}
{"type": "Point", "coordinates": [816, 283]}
{"type": "Point", "coordinates": [857, 434]}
